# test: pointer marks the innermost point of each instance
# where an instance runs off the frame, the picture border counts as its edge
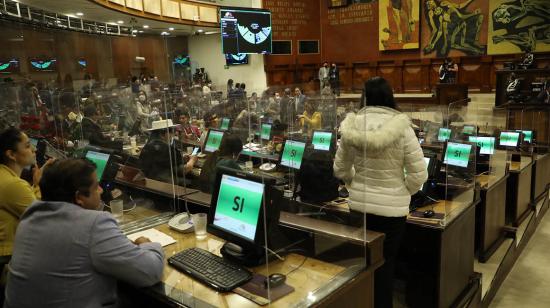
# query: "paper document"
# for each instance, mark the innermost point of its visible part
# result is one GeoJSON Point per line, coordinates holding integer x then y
{"type": "Point", "coordinates": [155, 236]}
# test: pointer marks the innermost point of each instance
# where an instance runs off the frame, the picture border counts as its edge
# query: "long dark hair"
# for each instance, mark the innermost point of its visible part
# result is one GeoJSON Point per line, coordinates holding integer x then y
{"type": "Point", "coordinates": [378, 92]}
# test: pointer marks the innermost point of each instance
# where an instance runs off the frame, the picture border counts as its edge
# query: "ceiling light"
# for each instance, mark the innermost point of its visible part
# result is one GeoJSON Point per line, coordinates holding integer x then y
{"type": "Point", "coordinates": [134, 31]}
{"type": "Point", "coordinates": [79, 14]}
{"type": "Point", "coordinates": [145, 26]}
{"type": "Point", "coordinates": [164, 33]}
{"type": "Point", "coordinates": [171, 29]}
{"type": "Point", "coordinates": [140, 31]}
{"type": "Point", "coordinates": [200, 30]}
{"type": "Point", "coordinates": [120, 22]}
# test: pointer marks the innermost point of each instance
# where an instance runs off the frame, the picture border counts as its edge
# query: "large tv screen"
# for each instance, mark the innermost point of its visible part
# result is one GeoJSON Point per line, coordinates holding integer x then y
{"type": "Point", "coordinates": [245, 30]}
{"type": "Point", "coordinates": [238, 59]}
{"type": "Point", "coordinates": [9, 66]}
{"type": "Point", "coordinates": [44, 65]}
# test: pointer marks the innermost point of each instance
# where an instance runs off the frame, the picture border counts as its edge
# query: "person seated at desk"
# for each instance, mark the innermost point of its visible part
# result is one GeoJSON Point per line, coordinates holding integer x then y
{"type": "Point", "coordinates": [159, 159]}
{"type": "Point", "coordinates": [70, 253]}
{"type": "Point", "coordinates": [91, 130]}
{"type": "Point", "coordinates": [186, 129]}
{"type": "Point", "coordinates": [377, 147]}
{"type": "Point", "coordinates": [16, 194]}
{"type": "Point", "coordinates": [226, 156]}
{"type": "Point", "coordinates": [311, 119]}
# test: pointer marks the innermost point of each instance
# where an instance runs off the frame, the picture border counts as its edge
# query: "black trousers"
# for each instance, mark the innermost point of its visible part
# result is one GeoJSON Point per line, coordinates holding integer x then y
{"type": "Point", "coordinates": [393, 228]}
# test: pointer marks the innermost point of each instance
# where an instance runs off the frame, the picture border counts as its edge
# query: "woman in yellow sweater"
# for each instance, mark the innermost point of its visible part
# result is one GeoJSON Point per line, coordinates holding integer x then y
{"type": "Point", "coordinates": [16, 194]}
{"type": "Point", "coordinates": [311, 119]}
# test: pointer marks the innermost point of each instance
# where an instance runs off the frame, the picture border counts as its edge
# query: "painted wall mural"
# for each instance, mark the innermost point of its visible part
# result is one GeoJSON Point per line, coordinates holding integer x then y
{"type": "Point", "coordinates": [519, 26]}
{"type": "Point", "coordinates": [453, 25]}
{"type": "Point", "coordinates": [398, 24]}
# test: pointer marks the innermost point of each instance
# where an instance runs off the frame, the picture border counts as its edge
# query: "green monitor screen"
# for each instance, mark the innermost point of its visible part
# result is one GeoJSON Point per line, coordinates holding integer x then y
{"type": "Point", "coordinates": [509, 139]}
{"type": "Point", "coordinates": [293, 154]}
{"type": "Point", "coordinates": [469, 129]}
{"type": "Point", "coordinates": [100, 160]}
{"type": "Point", "coordinates": [34, 142]}
{"type": "Point", "coordinates": [265, 133]}
{"type": "Point", "coordinates": [213, 141]}
{"type": "Point", "coordinates": [321, 140]}
{"type": "Point", "coordinates": [225, 124]}
{"type": "Point", "coordinates": [444, 134]}
{"type": "Point", "coordinates": [486, 144]}
{"type": "Point", "coordinates": [457, 154]}
{"type": "Point", "coordinates": [238, 206]}
{"type": "Point", "coordinates": [527, 135]}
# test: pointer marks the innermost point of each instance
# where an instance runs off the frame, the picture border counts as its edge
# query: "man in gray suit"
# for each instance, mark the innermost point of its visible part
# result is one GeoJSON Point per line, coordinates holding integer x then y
{"type": "Point", "coordinates": [324, 75]}
{"type": "Point", "coordinates": [68, 253]}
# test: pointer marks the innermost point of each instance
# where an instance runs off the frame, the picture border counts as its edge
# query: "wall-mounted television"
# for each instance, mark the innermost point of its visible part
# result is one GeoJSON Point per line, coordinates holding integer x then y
{"type": "Point", "coordinates": [44, 64]}
{"type": "Point", "coordinates": [238, 59]}
{"type": "Point", "coordinates": [82, 63]}
{"type": "Point", "coordinates": [245, 30]}
{"type": "Point", "coordinates": [8, 66]}
{"type": "Point", "coordinates": [181, 61]}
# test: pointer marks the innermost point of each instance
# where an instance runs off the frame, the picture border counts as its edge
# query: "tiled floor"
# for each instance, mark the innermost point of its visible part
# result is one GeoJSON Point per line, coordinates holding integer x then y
{"type": "Point", "coordinates": [528, 284]}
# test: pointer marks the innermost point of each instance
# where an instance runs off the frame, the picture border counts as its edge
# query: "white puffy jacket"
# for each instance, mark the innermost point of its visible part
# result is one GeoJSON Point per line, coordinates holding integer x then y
{"type": "Point", "coordinates": [377, 145]}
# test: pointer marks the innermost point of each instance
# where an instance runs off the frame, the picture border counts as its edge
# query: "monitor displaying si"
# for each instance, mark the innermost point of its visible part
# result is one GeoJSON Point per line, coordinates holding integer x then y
{"type": "Point", "coordinates": [265, 133]}
{"type": "Point", "coordinates": [213, 141]}
{"type": "Point", "coordinates": [224, 125]}
{"type": "Point", "coordinates": [486, 144]}
{"type": "Point", "coordinates": [444, 134]}
{"type": "Point", "coordinates": [238, 206]}
{"type": "Point", "coordinates": [236, 59]}
{"type": "Point", "coordinates": [321, 140]}
{"type": "Point", "coordinates": [457, 154]}
{"type": "Point", "coordinates": [293, 153]}
{"type": "Point", "coordinates": [100, 160]}
{"type": "Point", "coordinates": [469, 130]}
{"type": "Point", "coordinates": [527, 135]}
{"type": "Point", "coordinates": [245, 30]}
{"type": "Point", "coordinates": [509, 139]}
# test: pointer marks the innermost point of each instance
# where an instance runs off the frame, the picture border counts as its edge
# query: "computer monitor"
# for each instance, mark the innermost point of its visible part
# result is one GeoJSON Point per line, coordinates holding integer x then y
{"type": "Point", "coordinates": [245, 30]}
{"type": "Point", "coordinates": [322, 140]}
{"type": "Point", "coordinates": [457, 154]}
{"type": "Point", "coordinates": [486, 145]}
{"type": "Point", "coordinates": [265, 132]}
{"type": "Point", "coordinates": [444, 134]}
{"type": "Point", "coordinates": [509, 139]}
{"type": "Point", "coordinates": [213, 141]}
{"type": "Point", "coordinates": [469, 130]}
{"type": "Point", "coordinates": [527, 135]}
{"type": "Point", "coordinates": [224, 124]}
{"type": "Point", "coordinates": [101, 161]}
{"type": "Point", "coordinates": [293, 153]}
{"type": "Point", "coordinates": [237, 208]}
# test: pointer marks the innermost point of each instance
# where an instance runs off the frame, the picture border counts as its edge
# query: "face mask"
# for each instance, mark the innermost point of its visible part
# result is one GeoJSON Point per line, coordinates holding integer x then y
{"type": "Point", "coordinates": [142, 98]}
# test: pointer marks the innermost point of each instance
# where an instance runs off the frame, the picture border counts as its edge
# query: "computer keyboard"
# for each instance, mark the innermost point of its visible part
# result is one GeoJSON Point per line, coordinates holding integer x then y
{"type": "Point", "coordinates": [210, 269]}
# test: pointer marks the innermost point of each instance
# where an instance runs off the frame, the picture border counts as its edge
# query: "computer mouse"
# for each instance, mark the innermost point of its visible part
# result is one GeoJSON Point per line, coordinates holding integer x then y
{"type": "Point", "coordinates": [275, 280]}
{"type": "Point", "coordinates": [429, 213]}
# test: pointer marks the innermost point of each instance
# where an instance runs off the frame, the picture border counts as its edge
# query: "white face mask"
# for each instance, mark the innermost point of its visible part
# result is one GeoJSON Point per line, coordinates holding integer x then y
{"type": "Point", "coordinates": [142, 98]}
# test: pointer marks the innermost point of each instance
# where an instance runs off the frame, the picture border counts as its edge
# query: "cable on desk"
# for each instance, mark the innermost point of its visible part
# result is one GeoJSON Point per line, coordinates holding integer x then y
{"type": "Point", "coordinates": [296, 268]}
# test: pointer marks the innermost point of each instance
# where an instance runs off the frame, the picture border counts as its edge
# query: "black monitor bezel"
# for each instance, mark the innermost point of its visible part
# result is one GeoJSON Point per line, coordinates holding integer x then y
{"type": "Point", "coordinates": [259, 238]}
{"type": "Point", "coordinates": [203, 150]}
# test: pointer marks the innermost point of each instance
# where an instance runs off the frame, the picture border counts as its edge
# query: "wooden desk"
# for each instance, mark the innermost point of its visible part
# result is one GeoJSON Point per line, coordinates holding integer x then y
{"type": "Point", "coordinates": [518, 190]}
{"type": "Point", "coordinates": [490, 215]}
{"type": "Point", "coordinates": [157, 187]}
{"type": "Point", "coordinates": [541, 176]}
{"type": "Point", "coordinates": [439, 260]}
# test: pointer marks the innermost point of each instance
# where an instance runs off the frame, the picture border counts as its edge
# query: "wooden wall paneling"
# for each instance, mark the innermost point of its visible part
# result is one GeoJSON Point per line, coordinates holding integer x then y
{"type": "Point", "coordinates": [392, 73]}
{"type": "Point", "coordinates": [469, 72]}
{"type": "Point", "coordinates": [486, 65]}
{"type": "Point", "coordinates": [412, 76]}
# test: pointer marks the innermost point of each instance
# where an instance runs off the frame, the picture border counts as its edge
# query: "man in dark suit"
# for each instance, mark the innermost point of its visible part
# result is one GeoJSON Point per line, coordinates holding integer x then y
{"type": "Point", "coordinates": [287, 111]}
{"type": "Point", "coordinates": [299, 101]}
{"type": "Point", "coordinates": [91, 131]}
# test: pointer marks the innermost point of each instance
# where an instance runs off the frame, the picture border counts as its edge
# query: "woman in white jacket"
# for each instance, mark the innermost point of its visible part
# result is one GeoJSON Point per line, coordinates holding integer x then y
{"type": "Point", "coordinates": [382, 164]}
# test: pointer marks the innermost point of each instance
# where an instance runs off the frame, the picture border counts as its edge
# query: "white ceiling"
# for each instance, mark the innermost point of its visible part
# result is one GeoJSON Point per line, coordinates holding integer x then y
{"type": "Point", "coordinates": [98, 13]}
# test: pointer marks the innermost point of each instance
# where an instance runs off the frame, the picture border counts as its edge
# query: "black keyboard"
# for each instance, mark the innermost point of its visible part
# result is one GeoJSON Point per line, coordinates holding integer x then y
{"type": "Point", "coordinates": [210, 269]}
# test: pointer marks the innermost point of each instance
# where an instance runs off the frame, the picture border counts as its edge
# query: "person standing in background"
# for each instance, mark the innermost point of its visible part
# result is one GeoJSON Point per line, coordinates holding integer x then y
{"type": "Point", "coordinates": [334, 78]}
{"type": "Point", "coordinates": [323, 75]}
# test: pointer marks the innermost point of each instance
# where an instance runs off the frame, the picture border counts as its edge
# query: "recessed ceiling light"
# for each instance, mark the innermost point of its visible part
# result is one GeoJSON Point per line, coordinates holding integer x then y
{"type": "Point", "coordinates": [200, 30]}
{"type": "Point", "coordinates": [120, 22]}
{"type": "Point", "coordinates": [145, 26]}
{"type": "Point", "coordinates": [79, 14]}
{"type": "Point", "coordinates": [171, 29]}
{"type": "Point", "coordinates": [165, 33]}
{"type": "Point", "coordinates": [140, 31]}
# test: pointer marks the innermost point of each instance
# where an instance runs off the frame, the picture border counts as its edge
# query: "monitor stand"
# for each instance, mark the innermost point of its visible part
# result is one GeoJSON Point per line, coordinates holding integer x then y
{"type": "Point", "coordinates": [248, 256]}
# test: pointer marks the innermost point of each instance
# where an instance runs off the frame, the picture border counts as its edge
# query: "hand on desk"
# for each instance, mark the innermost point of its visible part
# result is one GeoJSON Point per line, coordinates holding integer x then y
{"type": "Point", "coordinates": [142, 239]}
